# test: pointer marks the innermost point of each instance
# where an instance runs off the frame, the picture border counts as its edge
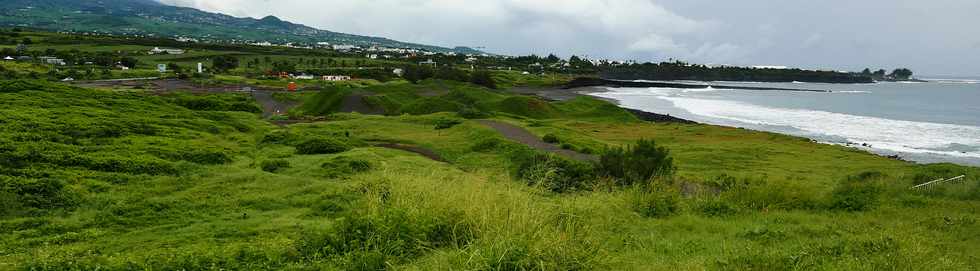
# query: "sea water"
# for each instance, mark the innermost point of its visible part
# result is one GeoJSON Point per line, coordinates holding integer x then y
{"type": "Point", "coordinates": [930, 122]}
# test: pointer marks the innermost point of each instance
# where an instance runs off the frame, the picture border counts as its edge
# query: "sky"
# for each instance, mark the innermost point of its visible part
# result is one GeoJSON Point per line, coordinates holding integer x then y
{"type": "Point", "coordinates": [933, 38]}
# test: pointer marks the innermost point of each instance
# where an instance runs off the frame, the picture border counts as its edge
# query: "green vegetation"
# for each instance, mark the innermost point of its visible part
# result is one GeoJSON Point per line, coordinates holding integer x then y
{"type": "Point", "coordinates": [124, 179]}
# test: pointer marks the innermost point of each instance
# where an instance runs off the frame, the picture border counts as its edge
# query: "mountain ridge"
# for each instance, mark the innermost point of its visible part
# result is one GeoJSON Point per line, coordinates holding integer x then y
{"type": "Point", "coordinates": [150, 17]}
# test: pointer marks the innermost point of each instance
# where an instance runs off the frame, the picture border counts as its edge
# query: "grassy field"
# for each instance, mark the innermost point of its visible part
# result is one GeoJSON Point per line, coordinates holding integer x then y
{"type": "Point", "coordinates": [98, 179]}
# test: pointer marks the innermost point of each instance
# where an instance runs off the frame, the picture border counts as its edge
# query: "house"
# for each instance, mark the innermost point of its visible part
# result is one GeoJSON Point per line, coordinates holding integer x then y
{"type": "Point", "coordinates": [158, 50]}
{"type": "Point", "coordinates": [372, 56]}
{"type": "Point", "coordinates": [8, 58]}
{"type": "Point", "coordinates": [121, 67]}
{"type": "Point", "coordinates": [428, 62]}
{"type": "Point", "coordinates": [336, 78]}
{"type": "Point", "coordinates": [304, 77]}
{"type": "Point", "coordinates": [52, 60]}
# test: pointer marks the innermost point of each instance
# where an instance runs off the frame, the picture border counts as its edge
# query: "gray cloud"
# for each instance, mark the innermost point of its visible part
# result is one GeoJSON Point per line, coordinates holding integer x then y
{"type": "Point", "coordinates": [933, 37]}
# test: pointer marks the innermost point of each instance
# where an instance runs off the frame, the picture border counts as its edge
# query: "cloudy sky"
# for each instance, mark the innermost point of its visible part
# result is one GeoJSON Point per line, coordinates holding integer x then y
{"type": "Point", "coordinates": [935, 37]}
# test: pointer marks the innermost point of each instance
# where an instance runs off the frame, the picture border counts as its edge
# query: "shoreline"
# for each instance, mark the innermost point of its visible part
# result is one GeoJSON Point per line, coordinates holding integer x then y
{"type": "Point", "coordinates": [558, 94]}
{"type": "Point", "coordinates": [564, 94]}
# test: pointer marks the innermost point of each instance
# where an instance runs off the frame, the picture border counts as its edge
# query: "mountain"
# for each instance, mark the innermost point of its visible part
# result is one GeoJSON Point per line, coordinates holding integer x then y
{"type": "Point", "coordinates": [149, 17]}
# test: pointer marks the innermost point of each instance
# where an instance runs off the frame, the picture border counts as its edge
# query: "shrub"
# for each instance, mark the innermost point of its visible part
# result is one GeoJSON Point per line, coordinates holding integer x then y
{"type": "Point", "coordinates": [856, 193]}
{"type": "Point", "coordinates": [206, 157]}
{"type": "Point", "coordinates": [273, 166]}
{"type": "Point", "coordinates": [483, 78]}
{"type": "Point", "coordinates": [552, 172]}
{"type": "Point", "coordinates": [322, 146]}
{"type": "Point", "coordinates": [716, 207]}
{"type": "Point", "coordinates": [486, 144]}
{"type": "Point", "coordinates": [637, 164]}
{"type": "Point", "coordinates": [655, 202]}
{"type": "Point", "coordinates": [26, 195]}
{"type": "Point", "coordinates": [551, 139]}
{"type": "Point", "coordinates": [469, 112]}
{"type": "Point", "coordinates": [567, 146]}
{"type": "Point", "coordinates": [446, 123]}
{"type": "Point", "coordinates": [341, 166]}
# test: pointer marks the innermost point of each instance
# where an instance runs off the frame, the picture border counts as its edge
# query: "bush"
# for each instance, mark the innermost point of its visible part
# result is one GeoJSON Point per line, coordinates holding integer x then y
{"type": "Point", "coordinates": [23, 196]}
{"type": "Point", "coordinates": [856, 193]}
{"type": "Point", "coordinates": [656, 202]}
{"type": "Point", "coordinates": [469, 112]}
{"type": "Point", "coordinates": [446, 123]}
{"type": "Point", "coordinates": [274, 166]}
{"type": "Point", "coordinates": [322, 146]}
{"type": "Point", "coordinates": [637, 164]}
{"type": "Point", "coordinates": [342, 166]}
{"type": "Point", "coordinates": [483, 78]}
{"type": "Point", "coordinates": [552, 172]}
{"type": "Point", "coordinates": [716, 207]}
{"type": "Point", "coordinates": [551, 139]}
{"type": "Point", "coordinates": [206, 157]}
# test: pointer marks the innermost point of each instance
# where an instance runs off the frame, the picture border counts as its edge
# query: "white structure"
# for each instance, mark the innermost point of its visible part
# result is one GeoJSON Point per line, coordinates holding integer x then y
{"type": "Point", "coordinates": [158, 50]}
{"type": "Point", "coordinates": [428, 62]}
{"type": "Point", "coordinates": [304, 77]}
{"type": "Point", "coordinates": [344, 47]}
{"type": "Point", "coordinates": [200, 67]}
{"type": "Point", "coordinates": [399, 72]}
{"type": "Point", "coordinates": [52, 60]}
{"type": "Point", "coordinates": [8, 58]}
{"type": "Point", "coordinates": [471, 59]}
{"type": "Point", "coordinates": [336, 78]}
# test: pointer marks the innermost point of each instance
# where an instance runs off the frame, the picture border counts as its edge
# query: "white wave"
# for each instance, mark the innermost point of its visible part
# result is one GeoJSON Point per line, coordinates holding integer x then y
{"type": "Point", "coordinates": [887, 134]}
{"type": "Point", "coordinates": [852, 91]}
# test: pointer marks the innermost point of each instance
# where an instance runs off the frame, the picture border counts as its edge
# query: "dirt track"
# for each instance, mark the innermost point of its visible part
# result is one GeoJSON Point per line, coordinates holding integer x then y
{"type": "Point", "coordinates": [415, 149]}
{"type": "Point", "coordinates": [520, 135]}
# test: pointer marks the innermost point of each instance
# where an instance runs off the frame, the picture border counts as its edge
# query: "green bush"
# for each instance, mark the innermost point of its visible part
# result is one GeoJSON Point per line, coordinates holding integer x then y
{"type": "Point", "coordinates": [715, 207]}
{"type": "Point", "coordinates": [206, 157]}
{"type": "Point", "coordinates": [26, 196]}
{"type": "Point", "coordinates": [638, 164]}
{"type": "Point", "coordinates": [551, 139]}
{"type": "Point", "coordinates": [322, 146]}
{"type": "Point", "coordinates": [857, 193]}
{"type": "Point", "coordinates": [552, 172]}
{"type": "Point", "coordinates": [469, 112]}
{"type": "Point", "coordinates": [446, 123]}
{"type": "Point", "coordinates": [656, 202]}
{"type": "Point", "coordinates": [274, 166]}
{"type": "Point", "coordinates": [342, 166]}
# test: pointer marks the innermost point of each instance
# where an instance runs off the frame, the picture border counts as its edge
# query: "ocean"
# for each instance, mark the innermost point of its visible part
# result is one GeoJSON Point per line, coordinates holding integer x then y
{"type": "Point", "coordinates": [929, 122]}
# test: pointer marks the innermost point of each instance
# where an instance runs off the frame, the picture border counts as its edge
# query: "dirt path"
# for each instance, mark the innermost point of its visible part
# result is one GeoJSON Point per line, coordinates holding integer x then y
{"type": "Point", "coordinates": [520, 135]}
{"type": "Point", "coordinates": [415, 149]}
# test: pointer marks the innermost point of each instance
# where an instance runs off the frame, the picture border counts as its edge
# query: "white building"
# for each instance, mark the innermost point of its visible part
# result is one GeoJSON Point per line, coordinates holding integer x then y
{"type": "Point", "coordinates": [8, 58]}
{"type": "Point", "coordinates": [52, 60]}
{"type": "Point", "coordinates": [304, 77]}
{"type": "Point", "coordinates": [158, 50]}
{"type": "Point", "coordinates": [399, 72]}
{"type": "Point", "coordinates": [336, 78]}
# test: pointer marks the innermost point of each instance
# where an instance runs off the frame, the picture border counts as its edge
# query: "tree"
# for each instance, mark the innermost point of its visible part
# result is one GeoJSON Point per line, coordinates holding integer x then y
{"type": "Point", "coordinates": [483, 78]}
{"type": "Point", "coordinates": [174, 67]}
{"type": "Point", "coordinates": [129, 62]}
{"type": "Point", "coordinates": [224, 63]}
{"type": "Point", "coordinates": [21, 49]}
{"type": "Point", "coordinates": [866, 72]}
{"type": "Point", "coordinates": [901, 74]}
{"type": "Point", "coordinates": [552, 58]}
{"type": "Point", "coordinates": [27, 41]}
{"type": "Point", "coordinates": [880, 73]}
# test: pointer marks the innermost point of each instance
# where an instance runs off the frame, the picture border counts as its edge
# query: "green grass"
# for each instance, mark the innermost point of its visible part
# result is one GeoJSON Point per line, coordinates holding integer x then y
{"type": "Point", "coordinates": [111, 179]}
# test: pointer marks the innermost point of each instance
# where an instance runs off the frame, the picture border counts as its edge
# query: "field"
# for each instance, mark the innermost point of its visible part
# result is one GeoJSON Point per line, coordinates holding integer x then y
{"type": "Point", "coordinates": [122, 180]}
{"type": "Point", "coordinates": [391, 173]}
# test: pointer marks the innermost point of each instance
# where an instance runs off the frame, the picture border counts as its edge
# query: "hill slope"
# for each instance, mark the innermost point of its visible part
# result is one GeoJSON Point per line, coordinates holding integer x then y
{"type": "Point", "coordinates": [148, 17]}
